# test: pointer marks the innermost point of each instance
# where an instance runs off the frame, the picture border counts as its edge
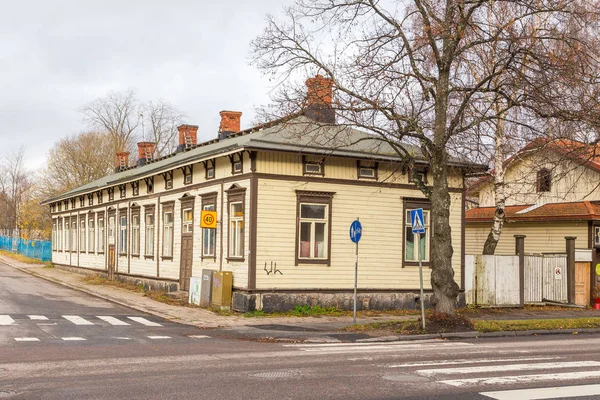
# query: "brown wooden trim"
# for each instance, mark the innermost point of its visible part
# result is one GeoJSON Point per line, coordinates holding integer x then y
{"type": "Point", "coordinates": [167, 258]}
{"type": "Point", "coordinates": [253, 232]}
{"type": "Point", "coordinates": [135, 211]}
{"type": "Point", "coordinates": [236, 194]}
{"type": "Point", "coordinates": [209, 164]}
{"type": "Point", "coordinates": [208, 199]}
{"type": "Point", "coordinates": [235, 259]}
{"type": "Point", "coordinates": [233, 160]}
{"type": "Point", "coordinates": [593, 277]}
{"type": "Point", "coordinates": [252, 155]}
{"type": "Point", "coordinates": [168, 177]}
{"type": "Point", "coordinates": [149, 184]}
{"type": "Point", "coordinates": [361, 164]}
{"type": "Point", "coordinates": [409, 203]}
{"type": "Point", "coordinates": [188, 170]}
{"type": "Point", "coordinates": [303, 196]}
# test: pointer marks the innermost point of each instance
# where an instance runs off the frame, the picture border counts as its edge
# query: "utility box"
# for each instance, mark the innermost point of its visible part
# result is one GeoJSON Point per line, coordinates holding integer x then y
{"type": "Point", "coordinates": [222, 283]}
{"type": "Point", "coordinates": [206, 288]}
{"type": "Point", "coordinates": [194, 292]}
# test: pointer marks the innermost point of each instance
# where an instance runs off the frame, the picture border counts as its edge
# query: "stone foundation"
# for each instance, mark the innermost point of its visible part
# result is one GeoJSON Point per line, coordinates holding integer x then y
{"type": "Point", "coordinates": [147, 283]}
{"type": "Point", "coordinates": [270, 302]}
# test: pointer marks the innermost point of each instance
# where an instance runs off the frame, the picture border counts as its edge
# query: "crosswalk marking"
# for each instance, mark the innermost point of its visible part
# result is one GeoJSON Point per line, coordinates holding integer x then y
{"type": "Point", "coordinates": [112, 320]}
{"type": "Point", "coordinates": [159, 337]}
{"type": "Point", "coordinates": [508, 367]}
{"type": "Point", "coordinates": [72, 338]}
{"type": "Point", "coordinates": [503, 380]}
{"type": "Point", "coordinates": [468, 361]}
{"type": "Point", "coordinates": [77, 320]}
{"type": "Point", "coordinates": [545, 393]}
{"type": "Point", "coordinates": [27, 339]}
{"type": "Point", "coordinates": [144, 321]}
{"type": "Point", "coordinates": [38, 317]}
{"type": "Point", "coordinates": [6, 320]}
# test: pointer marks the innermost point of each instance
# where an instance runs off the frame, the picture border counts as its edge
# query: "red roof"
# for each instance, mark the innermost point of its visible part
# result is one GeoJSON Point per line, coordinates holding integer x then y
{"type": "Point", "coordinates": [581, 210]}
{"type": "Point", "coordinates": [582, 153]}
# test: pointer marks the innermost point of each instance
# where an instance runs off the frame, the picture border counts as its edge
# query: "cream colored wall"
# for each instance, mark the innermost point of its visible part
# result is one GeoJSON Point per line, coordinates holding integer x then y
{"type": "Point", "coordinates": [380, 263]}
{"type": "Point", "coordinates": [541, 237]}
{"type": "Point", "coordinates": [571, 182]}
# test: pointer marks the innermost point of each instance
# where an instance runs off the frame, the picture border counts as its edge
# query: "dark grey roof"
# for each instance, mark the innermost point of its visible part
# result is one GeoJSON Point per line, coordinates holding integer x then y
{"type": "Point", "coordinates": [300, 135]}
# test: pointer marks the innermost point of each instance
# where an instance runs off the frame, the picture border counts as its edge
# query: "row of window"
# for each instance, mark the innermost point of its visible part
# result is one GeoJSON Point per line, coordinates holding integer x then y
{"type": "Point", "coordinates": [313, 230]}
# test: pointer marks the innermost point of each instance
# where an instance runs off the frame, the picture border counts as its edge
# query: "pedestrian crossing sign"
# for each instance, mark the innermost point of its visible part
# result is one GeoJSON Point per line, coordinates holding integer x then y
{"type": "Point", "coordinates": [416, 217]}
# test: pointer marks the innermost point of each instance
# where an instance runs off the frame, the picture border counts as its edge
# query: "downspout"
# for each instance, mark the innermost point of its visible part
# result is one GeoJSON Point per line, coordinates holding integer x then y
{"type": "Point", "coordinates": [221, 238]}
{"type": "Point", "coordinates": [105, 239]}
{"type": "Point", "coordinates": [129, 237]}
{"type": "Point", "coordinates": [157, 218]}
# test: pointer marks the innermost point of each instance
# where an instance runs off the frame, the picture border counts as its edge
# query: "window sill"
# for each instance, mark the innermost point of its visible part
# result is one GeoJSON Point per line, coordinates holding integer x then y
{"type": "Point", "coordinates": [235, 259]}
{"type": "Point", "coordinates": [312, 261]}
{"type": "Point", "coordinates": [100, 252]}
{"type": "Point", "coordinates": [122, 254]}
{"type": "Point", "coordinates": [208, 258]}
{"type": "Point", "coordinates": [148, 257]}
{"type": "Point", "coordinates": [415, 264]}
{"type": "Point", "coordinates": [167, 258]}
{"type": "Point", "coordinates": [135, 256]}
{"type": "Point", "coordinates": [369, 178]}
{"type": "Point", "coordinates": [313, 174]}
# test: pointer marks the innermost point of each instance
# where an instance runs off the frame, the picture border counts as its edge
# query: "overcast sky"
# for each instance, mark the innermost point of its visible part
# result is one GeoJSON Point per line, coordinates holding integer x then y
{"type": "Point", "coordinates": [56, 56]}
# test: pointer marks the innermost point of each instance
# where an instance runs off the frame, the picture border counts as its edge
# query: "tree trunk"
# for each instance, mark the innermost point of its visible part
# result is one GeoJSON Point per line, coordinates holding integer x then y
{"type": "Point", "coordinates": [500, 196]}
{"type": "Point", "coordinates": [445, 289]}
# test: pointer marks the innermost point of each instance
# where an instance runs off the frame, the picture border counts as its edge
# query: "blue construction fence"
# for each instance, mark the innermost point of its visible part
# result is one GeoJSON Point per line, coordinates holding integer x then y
{"type": "Point", "coordinates": [40, 249]}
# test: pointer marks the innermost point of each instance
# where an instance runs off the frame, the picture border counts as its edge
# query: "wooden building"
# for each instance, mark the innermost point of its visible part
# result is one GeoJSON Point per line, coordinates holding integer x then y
{"type": "Point", "coordinates": [285, 195]}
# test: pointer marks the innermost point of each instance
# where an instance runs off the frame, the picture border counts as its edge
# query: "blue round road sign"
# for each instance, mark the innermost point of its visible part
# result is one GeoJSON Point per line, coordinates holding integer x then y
{"type": "Point", "coordinates": [355, 231]}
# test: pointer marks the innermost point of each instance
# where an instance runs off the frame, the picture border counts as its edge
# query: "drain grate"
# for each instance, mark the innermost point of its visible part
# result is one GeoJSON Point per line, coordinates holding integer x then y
{"type": "Point", "coordinates": [274, 374]}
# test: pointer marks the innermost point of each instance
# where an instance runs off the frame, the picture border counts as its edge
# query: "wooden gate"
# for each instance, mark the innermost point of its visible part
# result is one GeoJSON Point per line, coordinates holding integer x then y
{"type": "Point", "coordinates": [582, 283]}
{"type": "Point", "coordinates": [111, 262]}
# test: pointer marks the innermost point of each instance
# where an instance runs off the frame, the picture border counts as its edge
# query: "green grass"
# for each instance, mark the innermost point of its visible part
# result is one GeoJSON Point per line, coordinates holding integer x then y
{"type": "Point", "coordinates": [533, 324]}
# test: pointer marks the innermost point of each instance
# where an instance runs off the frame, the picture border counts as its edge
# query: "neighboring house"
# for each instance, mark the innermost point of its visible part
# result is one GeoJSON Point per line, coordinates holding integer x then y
{"type": "Point", "coordinates": [552, 191]}
{"type": "Point", "coordinates": [285, 193]}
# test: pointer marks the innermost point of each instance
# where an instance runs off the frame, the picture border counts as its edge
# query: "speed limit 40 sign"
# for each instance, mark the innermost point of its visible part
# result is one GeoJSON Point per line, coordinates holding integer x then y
{"type": "Point", "coordinates": [209, 219]}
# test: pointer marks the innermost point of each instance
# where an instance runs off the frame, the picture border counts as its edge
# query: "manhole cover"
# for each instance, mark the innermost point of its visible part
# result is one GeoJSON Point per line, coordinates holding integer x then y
{"type": "Point", "coordinates": [405, 378]}
{"type": "Point", "coordinates": [5, 394]}
{"type": "Point", "coordinates": [274, 374]}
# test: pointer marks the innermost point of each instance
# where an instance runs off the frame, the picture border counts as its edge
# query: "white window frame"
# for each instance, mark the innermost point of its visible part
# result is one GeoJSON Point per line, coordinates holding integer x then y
{"type": "Point", "coordinates": [59, 235]}
{"type": "Point", "coordinates": [208, 233]}
{"type": "Point", "coordinates": [54, 235]}
{"type": "Point", "coordinates": [313, 222]}
{"type": "Point", "coordinates": [91, 235]}
{"type": "Point", "coordinates": [73, 223]}
{"type": "Point", "coordinates": [426, 235]}
{"type": "Point", "coordinates": [82, 236]}
{"type": "Point", "coordinates": [135, 234]}
{"type": "Point", "coordinates": [168, 233]}
{"type": "Point", "coordinates": [236, 231]}
{"type": "Point", "coordinates": [187, 225]}
{"type": "Point", "coordinates": [101, 229]}
{"type": "Point", "coordinates": [122, 234]}
{"type": "Point", "coordinates": [149, 236]}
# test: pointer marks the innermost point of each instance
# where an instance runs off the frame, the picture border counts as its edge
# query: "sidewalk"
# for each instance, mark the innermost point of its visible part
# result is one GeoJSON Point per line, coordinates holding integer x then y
{"type": "Point", "coordinates": [317, 329]}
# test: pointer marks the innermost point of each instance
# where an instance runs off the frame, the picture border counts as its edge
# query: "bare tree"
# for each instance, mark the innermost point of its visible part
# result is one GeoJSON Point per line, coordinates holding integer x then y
{"type": "Point", "coordinates": [403, 71]}
{"type": "Point", "coordinates": [13, 186]}
{"type": "Point", "coordinates": [76, 160]}
{"type": "Point", "coordinates": [161, 128]}
{"type": "Point", "coordinates": [117, 113]}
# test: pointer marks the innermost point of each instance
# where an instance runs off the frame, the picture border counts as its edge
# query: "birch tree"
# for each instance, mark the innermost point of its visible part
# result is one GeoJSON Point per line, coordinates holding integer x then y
{"type": "Point", "coordinates": [402, 70]}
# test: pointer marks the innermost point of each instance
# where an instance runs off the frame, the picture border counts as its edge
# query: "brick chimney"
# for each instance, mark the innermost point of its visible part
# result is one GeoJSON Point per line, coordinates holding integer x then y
{"type": "Point", "coordinates": [145, 152]}
{"type": "Point", "coordinates": [122, 161]}
{"type": "Point", "coordinates": [230, 123]}
{"type": "Point", "coordinates": [188, 136]}
{"type": "Point", "coordinates": [319, 98]}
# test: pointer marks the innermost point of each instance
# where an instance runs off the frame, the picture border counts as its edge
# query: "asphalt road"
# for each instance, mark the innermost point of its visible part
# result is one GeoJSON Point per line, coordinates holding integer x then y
{"type": "Point", "coordinates": [189, 363]}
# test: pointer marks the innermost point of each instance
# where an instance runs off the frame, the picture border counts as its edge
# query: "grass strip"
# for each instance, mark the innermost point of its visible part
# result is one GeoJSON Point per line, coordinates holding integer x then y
{"type": "Point", "coordinates": [22, 258]}
{"type": "Point", "coordinates": [535, 324]}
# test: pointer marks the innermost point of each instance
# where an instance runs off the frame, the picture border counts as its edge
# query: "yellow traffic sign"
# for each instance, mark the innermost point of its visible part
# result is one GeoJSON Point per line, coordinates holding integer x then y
{"type": "Point", "coordinates": [209, 219]}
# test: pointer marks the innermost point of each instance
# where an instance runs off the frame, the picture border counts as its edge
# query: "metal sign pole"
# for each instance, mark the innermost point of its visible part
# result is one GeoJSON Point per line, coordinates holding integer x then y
{"type": "Point", "coordinates": [355, 278]}
{"type": "Point", "coordinates": [421, 279]}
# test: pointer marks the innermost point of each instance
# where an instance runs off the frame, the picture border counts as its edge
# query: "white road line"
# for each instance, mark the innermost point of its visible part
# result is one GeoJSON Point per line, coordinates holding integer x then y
{"type": "Point", "coordinates": [112, 320]}
{"type": "Point", "coordinates": [504, 380]}
{"type": "Point", "coordinates": [27, 339]}
{"type": "Point", "coordinates": [380, 348]}
{"type": "Point", "coordinates": [144, 321]}
{"type": "Point", "coordinates": [468, 361]}
{"type": "Point", "coordinates": [77, 320]}
{"type": "Point", "coordinates": [6, 320]}
{"type": "Point", "coordinates": [122, 338]}
{"type": "Point", "coordinates": [370, 344]}
{"type": "Point", "coordinates": [508, 367]}
{"type": "Point", "coordinates": [159, 337]}
{"type": "Point", "coordinates": [545, 393]}
{"type": "Point", "coordinates": [72, 338]}
{"type": "Point", "coordinates": [38, 317]}
{"type": "Point", "coordinates": [199, 337]}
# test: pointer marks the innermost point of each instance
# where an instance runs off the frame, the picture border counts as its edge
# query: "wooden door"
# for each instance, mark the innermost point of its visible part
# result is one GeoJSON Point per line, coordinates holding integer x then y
{"type": "Point", "coordinates": [582, 283]}
{"type": "Point", "coordinates": [185, 269]}
{"type": "Point", "coordinates": [111, 262]}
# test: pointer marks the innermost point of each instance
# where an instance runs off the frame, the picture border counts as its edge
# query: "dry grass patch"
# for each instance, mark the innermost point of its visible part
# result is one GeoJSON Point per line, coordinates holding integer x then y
{"type": "Point", "coordinates": [536, 324]}
{"type": "Point", "coordinates": [22, 258]}
{"type": "Point", "coordinates": [100, 280]}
